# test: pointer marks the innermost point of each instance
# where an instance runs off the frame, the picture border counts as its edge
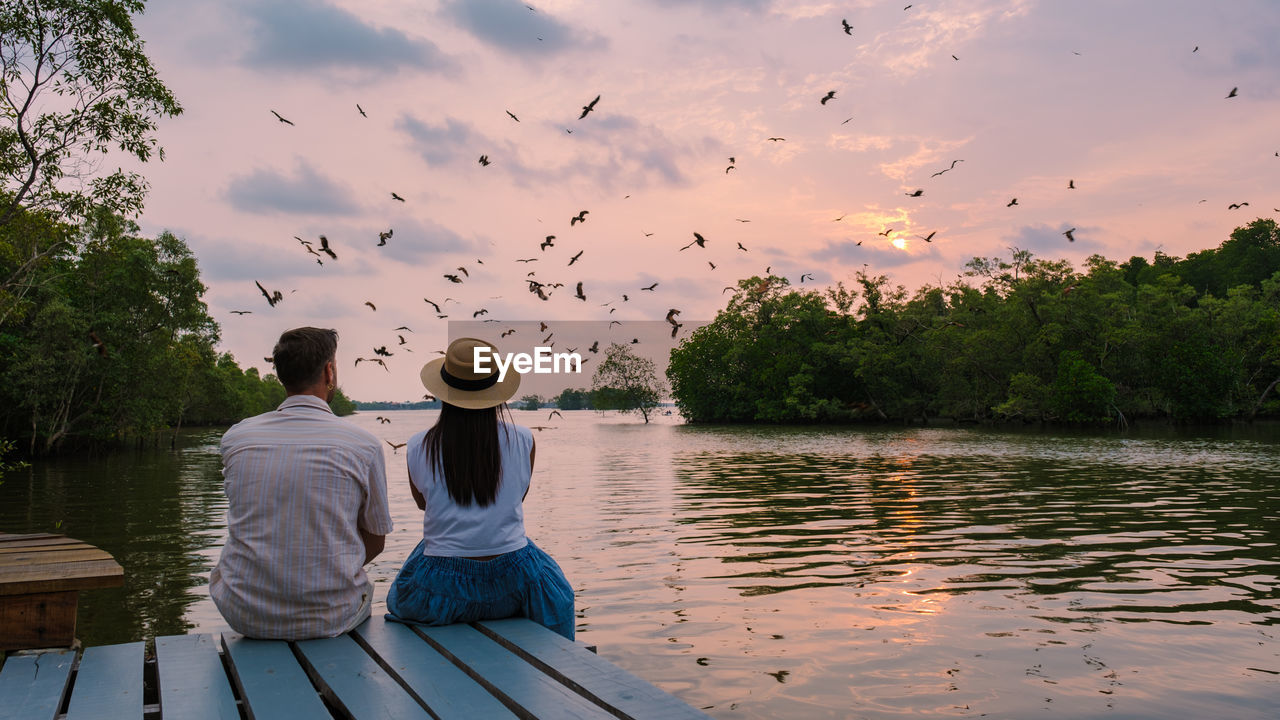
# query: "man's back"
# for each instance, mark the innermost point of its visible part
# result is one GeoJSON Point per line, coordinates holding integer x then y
{"type": "Point", "coordinates": [301, 484]}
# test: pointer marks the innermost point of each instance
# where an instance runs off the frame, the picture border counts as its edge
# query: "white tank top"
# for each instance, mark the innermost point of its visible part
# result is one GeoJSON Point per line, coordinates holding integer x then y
{"type": "Point", "coordinates": [453, 530]}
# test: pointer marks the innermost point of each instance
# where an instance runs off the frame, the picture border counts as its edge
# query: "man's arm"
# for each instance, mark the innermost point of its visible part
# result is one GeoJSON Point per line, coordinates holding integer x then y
{"type": "Point", "coordinates": [373, 545]}
{"type": "Point", "coordinates": [375, 514]}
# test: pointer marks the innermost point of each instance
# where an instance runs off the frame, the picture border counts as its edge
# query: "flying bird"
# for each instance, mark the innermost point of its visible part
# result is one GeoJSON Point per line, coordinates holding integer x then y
{"type": "Point", "coordinates": [742, 248]}
{"type": "Point", "coordinates": [848, 29]}
{"type": "Point", "coordinates": [281, 118]}
{"type": "Point", "coordinates": [272, 297]}
{"type": "Point", "coordinates": [802, 277]}
{"type": "Point", "coordinates": [478, 313]}
{"type": "Point", "coordinates": [324, 248]}
{"type": "Point", "coordinates": [650, 289]}
{"type": "Point", "coordinates": [917, 193]}
{"type": "Point", "coordinates": [831, 94]}
{"type": "Point", "coordinates": [371, 305]}
{"type": "Point", "coordinates": [1237, 206]}
{"type": "Point", "coordinates": [671, 316]}
{"type": "Point", "coordinates": [452, 278]}
{"type": "Point", "coordinates": [382, 420]}
{"type": "Point", "coordinates": [1012, 202]}
{"type": "Point", "coordinates": [589, 107]}
{"type": "Point", "coordinates": [241, 312]}
{"type": "Point", "coordinates": [464, 271]}
{"type": "Point", "coordinates": [580, 217]}
{"type": "Point", "coordinates": [484, 160]}
{"type": "Point", "coordinates": [555, 412]}
{"type": "Point", "coordinates": [926, 238]}
{"type": "Point", "coordinates": [580, 296]}
{"type": "Point", "coordinates": [362, 113]}
{"type": "Point", "coordinates": [776, 139]}
{"type": "Point", "coordinates": [548, 242]}
{"type": "Point", "coordinates": [595, 347]}
{"type": "Point", "coordinates": [713, 265]}
{"type": "Point", "coordinates": [513, 116]}
{"type": "Point", "coordinates": [1071, 184]}
{"type": "Point", "coordinates": [1070, 236]}
{"type": "Point", "coordinates": [1229, 95]}
{"type": "Point", "coordinates": [508, 332]}
{"type": "Point", "coordinates": [574, 259]}
{"type": "Point", "coordinates": [395, 196]}
{"type": "Point", "coordinates": [382, 351]}
{"type": "Point", "coordinates": [697, 240]}
{"type": "Point", "coordinates": [437, 307]}
{"type": "Point", "coordinates": [395, 447]}
{"type": "Point", "coordinates": [886, 233]}
{"type": "Point", "coordinates": [383, 237]}
{"type": "Point", "coordinates": [98, 345]}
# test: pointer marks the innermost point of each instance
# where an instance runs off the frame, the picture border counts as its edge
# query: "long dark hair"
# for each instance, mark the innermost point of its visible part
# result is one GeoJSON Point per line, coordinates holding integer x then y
{"type": "Point", "coordinates": [466, 445]}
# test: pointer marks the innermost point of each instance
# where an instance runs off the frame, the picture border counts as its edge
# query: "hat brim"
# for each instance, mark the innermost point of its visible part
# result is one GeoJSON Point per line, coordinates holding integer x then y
{"type": "Point", "coordinates": [493, 396]}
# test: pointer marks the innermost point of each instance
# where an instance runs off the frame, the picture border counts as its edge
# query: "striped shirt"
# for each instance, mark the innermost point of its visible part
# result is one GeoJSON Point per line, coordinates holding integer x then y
{"type": "Point", "coordinates": [300, 482]}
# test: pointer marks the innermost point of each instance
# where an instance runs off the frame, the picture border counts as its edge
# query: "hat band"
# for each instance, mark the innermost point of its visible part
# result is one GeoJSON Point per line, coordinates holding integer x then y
{"type": "Point", "coordinates": [458, 383]}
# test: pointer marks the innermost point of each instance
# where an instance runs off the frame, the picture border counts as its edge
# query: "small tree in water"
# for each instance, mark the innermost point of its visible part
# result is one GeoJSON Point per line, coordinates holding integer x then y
{"type": "Point", "coordinates": [626, 382]}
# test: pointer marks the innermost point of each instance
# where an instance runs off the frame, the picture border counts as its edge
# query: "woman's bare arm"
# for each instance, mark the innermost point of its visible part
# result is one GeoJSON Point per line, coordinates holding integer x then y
{"type": "Point", "coordinates": [533, 448]}
{"type": "Point", "coordinates": [418, 499]}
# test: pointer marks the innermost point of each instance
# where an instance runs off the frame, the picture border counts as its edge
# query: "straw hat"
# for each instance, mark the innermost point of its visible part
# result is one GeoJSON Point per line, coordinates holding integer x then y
{"type": "Point", "coordinates": [454, 380]}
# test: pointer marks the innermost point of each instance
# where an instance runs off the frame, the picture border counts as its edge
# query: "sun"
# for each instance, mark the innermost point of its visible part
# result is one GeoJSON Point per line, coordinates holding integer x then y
{"type": "Point", "coordinates": [900, 243]}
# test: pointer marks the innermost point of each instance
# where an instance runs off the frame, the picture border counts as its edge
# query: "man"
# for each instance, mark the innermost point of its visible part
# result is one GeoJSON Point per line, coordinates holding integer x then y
{"type": "Point", "coordinates": [307, 506]}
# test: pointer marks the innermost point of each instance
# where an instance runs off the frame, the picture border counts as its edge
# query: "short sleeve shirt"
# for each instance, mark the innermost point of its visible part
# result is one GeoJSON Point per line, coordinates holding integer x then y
{"type": "Point", "coordinates": [300, 484]}
{"type": "Point", "coordinates": [453, 530]}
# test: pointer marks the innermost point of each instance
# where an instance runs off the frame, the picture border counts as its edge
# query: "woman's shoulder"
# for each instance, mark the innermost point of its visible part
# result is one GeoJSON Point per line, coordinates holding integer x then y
{"type": "Point", "coordinates": [518, 431]}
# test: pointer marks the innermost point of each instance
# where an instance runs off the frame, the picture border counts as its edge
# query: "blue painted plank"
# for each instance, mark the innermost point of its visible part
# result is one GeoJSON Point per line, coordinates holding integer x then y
{"type": "Point", "coordinates": [517, 682]}
{"type": "Point", "coordinates": [436, 682]}
{"type": "Point", "coordinates": [193, 684]}
{"type": "Point", "coordinates": [271, 682]}
{"type": "Point", "coordinates": [594, 677]}
{"type": "Point", "coordinates": [31, 686]}
{"type": "Point", "coordinates": [353, 682]}
{"type": "Point", "coordinates": [109, 683]}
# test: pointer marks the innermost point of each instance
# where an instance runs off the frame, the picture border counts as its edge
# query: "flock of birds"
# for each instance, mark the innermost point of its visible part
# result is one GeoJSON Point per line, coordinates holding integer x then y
{"type": "Point", "coordinates": [543, 287]}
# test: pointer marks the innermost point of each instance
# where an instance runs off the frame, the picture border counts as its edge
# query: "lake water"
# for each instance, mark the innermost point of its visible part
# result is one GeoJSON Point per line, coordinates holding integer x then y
{"type": "Point", "coordinates": [814, 572]}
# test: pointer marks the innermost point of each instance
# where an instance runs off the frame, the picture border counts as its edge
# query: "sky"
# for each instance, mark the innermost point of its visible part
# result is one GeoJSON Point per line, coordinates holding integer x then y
{"type": "Point", "coordinates": [1017, 99]}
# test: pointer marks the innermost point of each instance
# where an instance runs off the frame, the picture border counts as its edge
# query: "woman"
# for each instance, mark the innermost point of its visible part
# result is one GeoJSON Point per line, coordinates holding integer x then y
{"type": "Point", "coordinates": [470, 473]}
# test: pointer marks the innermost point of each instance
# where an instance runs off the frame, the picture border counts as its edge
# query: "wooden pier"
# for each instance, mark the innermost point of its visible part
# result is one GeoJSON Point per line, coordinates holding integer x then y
{"type": "Point", "coordinates": [510, 668]}
{"type": "Point", "coordinates": [41, 576]}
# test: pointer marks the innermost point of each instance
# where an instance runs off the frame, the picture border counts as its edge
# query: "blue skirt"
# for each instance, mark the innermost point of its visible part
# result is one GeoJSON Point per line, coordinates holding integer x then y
{"type": "Point", "coordinates": [436, 590]}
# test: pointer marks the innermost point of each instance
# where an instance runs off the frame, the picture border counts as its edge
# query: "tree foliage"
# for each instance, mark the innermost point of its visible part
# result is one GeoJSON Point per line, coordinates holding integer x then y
{"type": "Point", "coordinates": [626, 382]}
{"type": "Point", "coordinates": [75, 86]}
{"type": "Point", "coordinates": [1022, 338]}
{"type": "Point", "coordinates": [115, 344]}
{"type": "Point", "coordinates": [574, 399]}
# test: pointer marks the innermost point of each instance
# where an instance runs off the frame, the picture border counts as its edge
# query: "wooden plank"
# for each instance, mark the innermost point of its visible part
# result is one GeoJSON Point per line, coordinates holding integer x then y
{"type": "Point", "coordinates": [42, 556]}
{"type": "Point", "coordinates": [271, 682]}
{"type": "Point", "coordinates": [55, 544]}
{"type": "Point", "coordinates": [54, 577]}
{"type": "Point", "coordinates": [40, 620]}
{"type": "Point", "coordinates": [193, 685]}
{"type": "Point", "coordinates": [353, 682]}
{"type": "Point", "coordinates": [108, 683]}
{"type": "Point", "coordinates": [429, 676]}
{"type": "Point", "coordinates": [32, 686]}
{"type": "Point", "coordinates": [523, 688]}
{"type": "Point", "coordinates": [592, 676]}
{"type": "Point", "coordinates": [12, 537]}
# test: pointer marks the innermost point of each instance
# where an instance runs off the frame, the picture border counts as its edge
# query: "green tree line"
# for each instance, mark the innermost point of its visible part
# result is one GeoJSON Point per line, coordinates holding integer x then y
{"type": "Point", "coordinates": [104, 336]}
{"type": "Point", "coordinates": [113, 343]}
{"type": "Point", "coordinates": [1194, 339]}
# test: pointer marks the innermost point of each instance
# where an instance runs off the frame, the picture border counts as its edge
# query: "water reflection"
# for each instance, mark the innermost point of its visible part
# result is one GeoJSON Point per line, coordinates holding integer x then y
{"type": "Point", "coordinates": [159, 513]}
{"type": "Point", "coordinates": [816, 572]}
